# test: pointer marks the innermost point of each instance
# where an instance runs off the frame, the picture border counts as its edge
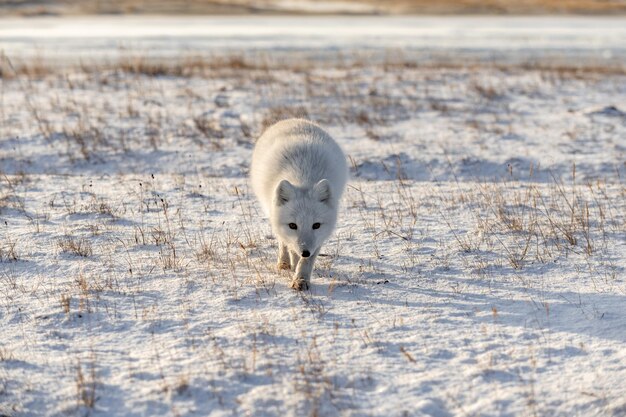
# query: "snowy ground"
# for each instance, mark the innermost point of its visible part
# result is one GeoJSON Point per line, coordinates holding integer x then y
{"type": "Point", "coordinates": [478, 267]}
{"type": "Point", "coordinates": [582, 40]}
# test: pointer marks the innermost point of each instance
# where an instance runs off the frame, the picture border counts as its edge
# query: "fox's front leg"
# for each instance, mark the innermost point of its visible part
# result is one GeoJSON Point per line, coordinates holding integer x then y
{"type": "Point", "coordinates": [302, 279]}
{"type": "Point", "coordinates": [295, 258]}
{"type": "Point", "coordinates": [283, 257]}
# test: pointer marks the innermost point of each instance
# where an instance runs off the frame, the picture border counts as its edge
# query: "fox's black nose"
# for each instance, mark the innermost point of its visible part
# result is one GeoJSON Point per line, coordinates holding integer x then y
{"type": "Point", "coordinates": [306, 253]}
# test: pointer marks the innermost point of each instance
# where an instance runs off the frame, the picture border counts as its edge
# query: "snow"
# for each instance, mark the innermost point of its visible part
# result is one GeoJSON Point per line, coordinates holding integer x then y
{"type": "Point", "coordinates": [477, 267]}
{"type": "Point", "coordinates": [582, 37]}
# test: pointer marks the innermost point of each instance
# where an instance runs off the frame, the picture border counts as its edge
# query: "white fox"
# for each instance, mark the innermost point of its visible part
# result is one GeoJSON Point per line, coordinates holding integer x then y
{"type": "Point", "coordinates": [298, 174]}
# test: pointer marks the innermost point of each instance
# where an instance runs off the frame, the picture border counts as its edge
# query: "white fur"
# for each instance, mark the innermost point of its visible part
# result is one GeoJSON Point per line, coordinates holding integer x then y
{"type": "Point", "coordinates": [299, 173]}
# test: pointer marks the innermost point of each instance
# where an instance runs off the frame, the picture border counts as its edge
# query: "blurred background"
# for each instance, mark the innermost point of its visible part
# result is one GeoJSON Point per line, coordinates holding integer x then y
{"type": "Point", "coordinates": [79, 7]}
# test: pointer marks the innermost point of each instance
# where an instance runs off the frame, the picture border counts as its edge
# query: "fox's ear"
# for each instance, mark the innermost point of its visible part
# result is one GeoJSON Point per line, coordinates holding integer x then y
{"type": "Point", "coordinates": [322, 191]}
{"type": "Point", "coordinates": [284, 192]}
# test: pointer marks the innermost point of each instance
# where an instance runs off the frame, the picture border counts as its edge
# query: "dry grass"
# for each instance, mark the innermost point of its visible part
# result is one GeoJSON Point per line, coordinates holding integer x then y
{"type": "Point", "coordinates": [86, 383]}
{"type": "Point", "coordinates": [8, 252]}
{"type": "Point", "coordinates": [504, 7]}
{"type": "Point", "coordinates": [75, 246]}
{"type": "Point", "coordinates": [535, 224]}
{"type": "Point", "coordinates": [263, 67]}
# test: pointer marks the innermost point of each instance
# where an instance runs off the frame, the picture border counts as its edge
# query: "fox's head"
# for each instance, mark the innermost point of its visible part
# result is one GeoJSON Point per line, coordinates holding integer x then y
{"type": "Point", "coordinates": [303, 217]}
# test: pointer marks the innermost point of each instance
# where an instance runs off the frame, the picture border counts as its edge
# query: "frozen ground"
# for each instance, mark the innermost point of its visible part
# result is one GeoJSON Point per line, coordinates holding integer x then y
{"type": "Point", "coordinates": [477, 269]}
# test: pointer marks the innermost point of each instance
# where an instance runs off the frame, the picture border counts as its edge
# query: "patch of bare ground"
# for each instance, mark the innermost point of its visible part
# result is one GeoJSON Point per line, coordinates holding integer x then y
{"type": "Point", "coordinates": [242, 7]}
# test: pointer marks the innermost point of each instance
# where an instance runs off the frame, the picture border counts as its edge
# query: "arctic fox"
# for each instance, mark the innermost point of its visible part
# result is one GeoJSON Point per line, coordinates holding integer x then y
{"type": "Point", "coordinates": [298, 174]}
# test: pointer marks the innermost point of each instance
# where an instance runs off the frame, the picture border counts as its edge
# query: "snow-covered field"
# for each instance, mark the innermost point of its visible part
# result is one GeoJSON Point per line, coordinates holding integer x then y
{"type": "Point", "coordinates": [478, 267]}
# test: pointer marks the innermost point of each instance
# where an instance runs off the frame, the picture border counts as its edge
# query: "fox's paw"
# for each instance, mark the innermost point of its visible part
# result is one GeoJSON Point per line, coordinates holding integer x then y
{"type": "Point", "coordinates": [299, 284]}
{"type": "Point", "coordinates": [283, 265]}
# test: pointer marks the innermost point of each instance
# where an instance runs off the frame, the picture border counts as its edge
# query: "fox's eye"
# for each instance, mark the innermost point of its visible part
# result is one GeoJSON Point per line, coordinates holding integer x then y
{"type": "Point", "coordinates": [316, 225]}
{"type": "Point", "coordinates": [293, 226]}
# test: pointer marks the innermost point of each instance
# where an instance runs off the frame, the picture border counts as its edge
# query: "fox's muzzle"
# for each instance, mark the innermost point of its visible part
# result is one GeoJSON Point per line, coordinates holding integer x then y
{"type": "Point", "coordinates": [306, 253]}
